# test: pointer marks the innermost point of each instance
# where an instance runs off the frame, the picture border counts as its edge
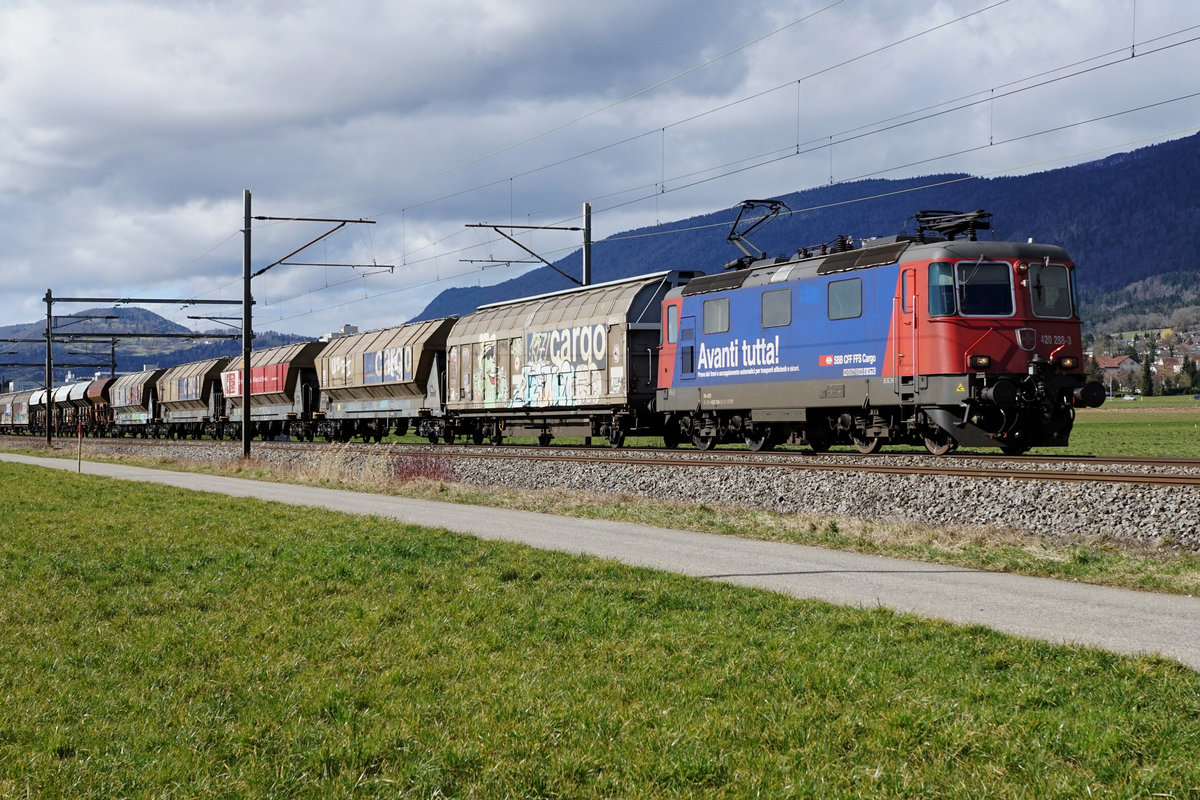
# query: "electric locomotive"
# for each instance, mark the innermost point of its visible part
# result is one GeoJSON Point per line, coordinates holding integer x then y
{"type": "Point", "coordinates": [935, 338]}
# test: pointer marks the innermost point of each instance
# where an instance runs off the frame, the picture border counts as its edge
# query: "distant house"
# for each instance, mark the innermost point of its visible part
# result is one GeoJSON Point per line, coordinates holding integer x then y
{"type": "Point", "coordinates": [1115, 366]}
{"type": "Point", "coordinates": [1167, 366]}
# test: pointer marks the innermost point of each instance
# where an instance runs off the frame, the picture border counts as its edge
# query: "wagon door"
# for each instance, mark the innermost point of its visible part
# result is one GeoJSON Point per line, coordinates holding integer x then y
{"type": "Point", "coordinates": [904, 335]}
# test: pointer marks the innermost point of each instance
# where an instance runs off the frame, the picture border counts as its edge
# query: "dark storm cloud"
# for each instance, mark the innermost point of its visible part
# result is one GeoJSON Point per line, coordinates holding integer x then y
{"type": "Point", "coordinates": [128, 129]}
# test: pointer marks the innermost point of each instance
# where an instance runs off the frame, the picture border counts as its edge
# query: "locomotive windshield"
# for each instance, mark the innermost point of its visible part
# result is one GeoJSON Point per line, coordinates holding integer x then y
{"type": "Point", "coordinates": [1050, 290]}
{"type": "Point", "coordinates": [970, 288]}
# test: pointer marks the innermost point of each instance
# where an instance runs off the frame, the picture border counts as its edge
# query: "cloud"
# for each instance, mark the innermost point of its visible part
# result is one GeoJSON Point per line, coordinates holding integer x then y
{"type": "Point", "coordinates": [129, 129]}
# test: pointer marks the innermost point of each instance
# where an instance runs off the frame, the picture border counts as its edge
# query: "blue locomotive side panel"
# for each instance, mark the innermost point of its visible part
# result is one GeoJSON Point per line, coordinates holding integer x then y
{"type": "Point", "coordinates": [820, 329]}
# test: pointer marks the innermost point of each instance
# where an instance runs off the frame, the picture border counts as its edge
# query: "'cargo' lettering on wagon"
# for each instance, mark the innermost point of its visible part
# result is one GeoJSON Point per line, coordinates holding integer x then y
{"type": "Point", "coordinates": [582, 346]}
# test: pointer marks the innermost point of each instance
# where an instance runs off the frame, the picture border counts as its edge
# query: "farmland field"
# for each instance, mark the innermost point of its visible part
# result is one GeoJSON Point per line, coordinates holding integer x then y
{"type": "Point", "coordinates": [213, 647]}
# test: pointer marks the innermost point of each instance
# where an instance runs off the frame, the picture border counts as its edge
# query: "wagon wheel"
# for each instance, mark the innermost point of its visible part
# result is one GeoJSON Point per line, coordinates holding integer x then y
{"type": "Point", "coordinates": [818, 440]}
{"type": "Point", "coordinates": [939, 443]}
{"type": "Point", "coordinates": [759, 439]}
{"type": "Point", "coordinates": [703, 442]}
{"type": "Point", "coordinates": [433, 438]}
{"type": "Point", "coordinates": [867, 445]}
{"type": "Point", "coordinates": [544, 439]}
{"type": "Point", "coordinates": [616, 438]}
{"type": "Point", "coordinates": [477, 437]}
{"type": "Point", "coordinates": [496, 438]}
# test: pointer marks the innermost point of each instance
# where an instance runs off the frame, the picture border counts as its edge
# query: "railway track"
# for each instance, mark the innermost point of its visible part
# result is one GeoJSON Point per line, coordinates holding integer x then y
{"type": "Point", "coordinates": [1106, 469]}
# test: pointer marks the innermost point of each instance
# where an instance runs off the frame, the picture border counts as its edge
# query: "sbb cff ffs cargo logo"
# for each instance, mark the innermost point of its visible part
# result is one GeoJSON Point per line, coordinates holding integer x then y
{"type": "Point", "coordinates": [825, 361]}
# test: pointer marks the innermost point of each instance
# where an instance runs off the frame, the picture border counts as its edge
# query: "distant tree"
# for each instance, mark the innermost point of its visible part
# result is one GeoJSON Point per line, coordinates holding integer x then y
{"type": "Point", "coordinates": [1147, 375]}
{"type": "Point", "coordinates": [1093, 370]}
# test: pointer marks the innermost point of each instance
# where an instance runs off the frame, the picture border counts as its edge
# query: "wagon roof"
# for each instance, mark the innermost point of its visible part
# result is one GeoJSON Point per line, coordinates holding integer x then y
{"type": "Point", "coordinates": [137, 378]}
{"type": "Point", "coordinates": [194, 368]}
{"type": "Point", "coordinates": [97, 388]}
{"type": "Point", "coordinates": [299, 354]}
{"type": "Point", "coordinates": [605, 303]}
{"type": "Point", "coordinates": [426, 334]}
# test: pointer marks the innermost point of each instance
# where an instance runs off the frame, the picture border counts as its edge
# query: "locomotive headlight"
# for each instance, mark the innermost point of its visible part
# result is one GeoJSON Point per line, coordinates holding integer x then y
{"type": "Point", "coordinates": [980, 362]}
{"type": "Point", "coordinates": [1068, 362]}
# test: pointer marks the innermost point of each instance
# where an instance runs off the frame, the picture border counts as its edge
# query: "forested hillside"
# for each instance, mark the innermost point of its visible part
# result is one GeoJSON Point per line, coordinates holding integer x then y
{"type": "Point", "coordinates": [1124, 219]}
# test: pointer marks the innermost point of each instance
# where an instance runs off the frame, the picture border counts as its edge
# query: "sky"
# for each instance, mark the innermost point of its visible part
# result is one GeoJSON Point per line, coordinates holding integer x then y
{"type": "Point", "coordinates": [130, 129]}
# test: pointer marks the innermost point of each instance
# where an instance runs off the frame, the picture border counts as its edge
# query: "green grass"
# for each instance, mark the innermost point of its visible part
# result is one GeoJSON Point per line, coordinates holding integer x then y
{"type": "Point", "coordinates": [1152, 427]}
{"type": "Point", "coordinates": [213, 647]}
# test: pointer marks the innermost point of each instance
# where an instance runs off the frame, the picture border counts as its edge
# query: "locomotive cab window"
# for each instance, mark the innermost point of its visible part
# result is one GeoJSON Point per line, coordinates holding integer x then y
{"type": "Point", "coordinates": [984, 288]}
{"type": "Point", "coordinates": [716, 315]}
{"type": "Point", "coordinates": [971, 288]}
{"type": "Point", "coordinates": [845, 299]}
{"type": "Point", "coordinates": [672, 330]}
{"type": "Point", "coordinates": [1050, 290]}
{"type": "Point", "coordinates": [941, 289]}
{"type": "Point", "coordinates": [777, 308]}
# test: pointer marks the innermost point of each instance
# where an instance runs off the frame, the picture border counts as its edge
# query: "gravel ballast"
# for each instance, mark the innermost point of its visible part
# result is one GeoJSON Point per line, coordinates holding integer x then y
{"type": "Point", "coordinates": [1050, 508]}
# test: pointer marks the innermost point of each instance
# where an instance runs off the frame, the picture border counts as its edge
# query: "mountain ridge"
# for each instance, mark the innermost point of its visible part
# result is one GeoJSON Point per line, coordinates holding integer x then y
{"type": "Point", "coordinates": [1113, 215]}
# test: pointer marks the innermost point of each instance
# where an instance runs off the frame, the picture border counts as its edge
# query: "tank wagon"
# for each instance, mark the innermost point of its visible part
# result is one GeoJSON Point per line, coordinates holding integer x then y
{"type": "Point", "coordinates": [922, 338]}
{"type": "Point", "coordinates": [579, 362]}
{"type": "Point", "coordinates": [384, 380]}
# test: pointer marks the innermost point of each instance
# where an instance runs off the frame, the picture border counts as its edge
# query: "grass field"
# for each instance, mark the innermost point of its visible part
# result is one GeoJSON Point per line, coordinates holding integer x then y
{"type": "Point", "coordinates": [213, 647]}
{"type": "Point", "coordinates": [1152, 427]}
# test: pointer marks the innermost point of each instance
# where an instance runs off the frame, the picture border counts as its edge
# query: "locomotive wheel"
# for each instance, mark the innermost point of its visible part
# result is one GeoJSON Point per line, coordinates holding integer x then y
{"type": "Point", "coordinates": [867, 445]}
{"type": "Point", "coordinates": [703, 442]}
{"type": "Point", "coordinates": [1014, 449]}
{"type": "Point", "coordinates": [671, 434]}
{"type": "Point", "coordinates": [940, 443]}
